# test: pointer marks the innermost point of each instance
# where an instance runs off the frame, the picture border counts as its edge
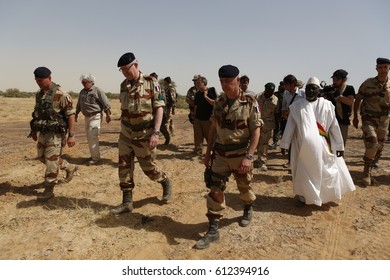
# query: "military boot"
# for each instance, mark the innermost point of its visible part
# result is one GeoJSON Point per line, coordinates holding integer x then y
{"type": "Point", "coordinates": [70, 170]}
{"type": "Point", "coordinates": [367, 174]}
{"type": "Point", "coordinates": [211, 236]}
{"type": "Point", "coordinates": [247, 216]}
{"type": "Point", "coordinates": [126, 206]}
{"type": "Point", "coordinates": [375, 163]}
{"type": "Point", "coordinates": [167, 189]}
{"type": "Point", "coordinates": [47, 193]}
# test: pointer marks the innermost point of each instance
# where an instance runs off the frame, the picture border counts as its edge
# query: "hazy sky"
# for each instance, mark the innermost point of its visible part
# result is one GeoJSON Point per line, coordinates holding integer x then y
{"type": "Point", "coordinates": [266, 40]}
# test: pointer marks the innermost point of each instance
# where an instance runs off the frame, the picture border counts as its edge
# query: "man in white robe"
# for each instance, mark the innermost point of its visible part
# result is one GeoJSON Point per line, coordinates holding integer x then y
{"type": "Point", "coordinates": [319, 172]}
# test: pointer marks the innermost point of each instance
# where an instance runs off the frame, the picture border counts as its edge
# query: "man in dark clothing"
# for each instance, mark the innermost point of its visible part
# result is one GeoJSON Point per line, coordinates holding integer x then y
{"type": "Point", "coordinates": [204, 101]}
{"type": "Point", "coordinates": [342, 99]}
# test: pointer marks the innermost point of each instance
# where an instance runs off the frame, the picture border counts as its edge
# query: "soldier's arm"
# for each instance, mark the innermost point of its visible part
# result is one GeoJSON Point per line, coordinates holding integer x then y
{"type": "Point", "coordinates": [71, 138]}
{"type": "Point", "coordinates": [153, 141]}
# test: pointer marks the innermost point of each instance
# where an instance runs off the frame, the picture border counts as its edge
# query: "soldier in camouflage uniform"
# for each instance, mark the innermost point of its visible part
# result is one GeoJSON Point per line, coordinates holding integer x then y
{"type": "Point", "coordinates": [234, 135]}
{"type": "Point", "coordinates": [170, 105]}
{"type": "Point", "coordinates": [53, 116]}
{"type": "Point", "coordinates": [374, 96]}
{"type": "Point", "coordinates": [190, 99]}
{"type": "Point", "coordinates": [270, 110]}
{"type": "Point", "coordinates": [142, 109]}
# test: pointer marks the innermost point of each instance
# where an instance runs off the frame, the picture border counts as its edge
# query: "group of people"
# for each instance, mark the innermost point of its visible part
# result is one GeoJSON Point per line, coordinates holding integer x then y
{"type": "Point", "coordinates": [235, 124]}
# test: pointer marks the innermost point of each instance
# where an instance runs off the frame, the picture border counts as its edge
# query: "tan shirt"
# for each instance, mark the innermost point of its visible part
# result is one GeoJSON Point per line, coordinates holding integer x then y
{"type": "Point", "coordinates": [375, 96]}
{"type": "Point", "coordinates": [234, 124]}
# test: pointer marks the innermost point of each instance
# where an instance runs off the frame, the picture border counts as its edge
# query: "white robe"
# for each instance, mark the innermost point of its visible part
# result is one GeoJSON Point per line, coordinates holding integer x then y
{"type": "Point", "coordinates": [318, 175]}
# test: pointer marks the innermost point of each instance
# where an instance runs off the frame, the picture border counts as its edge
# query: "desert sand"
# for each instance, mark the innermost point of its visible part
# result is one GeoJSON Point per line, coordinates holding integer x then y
{"type": "Point", "coordinates": [76, 223]}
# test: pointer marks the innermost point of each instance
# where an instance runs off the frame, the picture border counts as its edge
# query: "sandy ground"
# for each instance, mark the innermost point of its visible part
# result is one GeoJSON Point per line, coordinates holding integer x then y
{"type": "Point", "coordinates": [76, 223]}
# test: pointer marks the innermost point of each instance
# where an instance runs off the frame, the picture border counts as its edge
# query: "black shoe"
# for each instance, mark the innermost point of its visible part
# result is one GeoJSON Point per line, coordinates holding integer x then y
{"type": "Point", "coordinates": [207, 240]}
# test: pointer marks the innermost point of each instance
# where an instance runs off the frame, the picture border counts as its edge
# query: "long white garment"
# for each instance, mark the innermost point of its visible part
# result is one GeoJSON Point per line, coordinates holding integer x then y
{"type": "Point", "coordinates": [318, 174]}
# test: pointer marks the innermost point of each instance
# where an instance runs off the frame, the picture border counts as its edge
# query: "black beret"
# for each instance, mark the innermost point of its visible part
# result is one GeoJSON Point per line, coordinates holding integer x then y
{"type": "Point", "coordinates": [228, 71]}
{"type": "Point", "coordinates": [42, 72]}
{"type": "Point", "coordinates": [168, 80]}
{"type": "Point", "coordinates": [154, 75]}
{"type": "Point", "coordinates": [340, 74]}
{"type": "Point", "coordinates": [269, 86]}
{"type": "Point", "coordinates": [126, 59]}
{"type": "Point", "coordinates": [381, 60]}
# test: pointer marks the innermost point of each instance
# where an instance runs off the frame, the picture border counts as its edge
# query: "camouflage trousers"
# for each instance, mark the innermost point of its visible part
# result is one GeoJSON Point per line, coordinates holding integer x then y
{"type": "Point", "coordinates": [225, 166]}
{"type": "Point", "coordinates": [128, 150]}
{"type": "Point", "coordinates": [49, 150]}
{"type": "Point", "coordinates": [374, 133]}
{"type": "Point", "coordinates": [262, 147]}
{"type": "Point", "coordinates": [169, 124]}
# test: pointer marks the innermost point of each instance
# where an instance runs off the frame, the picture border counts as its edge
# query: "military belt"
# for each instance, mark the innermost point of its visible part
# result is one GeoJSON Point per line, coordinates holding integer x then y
{"type": "Point", "coordinates": [138, 127]}
{"type": "Point", "coordinates": [230, 147]}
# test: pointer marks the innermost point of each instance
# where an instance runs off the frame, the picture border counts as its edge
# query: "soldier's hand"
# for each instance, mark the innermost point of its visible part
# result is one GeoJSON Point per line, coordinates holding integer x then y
{"type": "Point", "coordinates": [153, 141]}
{"type": "Point", "coordinates": [71, 141]}
{"type": "Point", "coordinates": [355, 122]}
{"type": "Point", "coordinates": [245, 166]}
{"type": "Point", "coordinates": [108, 118]}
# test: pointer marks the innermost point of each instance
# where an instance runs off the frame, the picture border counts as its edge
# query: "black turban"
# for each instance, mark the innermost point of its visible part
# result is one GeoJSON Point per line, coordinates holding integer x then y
{"type": "Point", "coordinates": [228, 71]}
{"type": "Point", "coordinates": [126, 59]}
{"type": "Point", "coordinates": [42, 72]}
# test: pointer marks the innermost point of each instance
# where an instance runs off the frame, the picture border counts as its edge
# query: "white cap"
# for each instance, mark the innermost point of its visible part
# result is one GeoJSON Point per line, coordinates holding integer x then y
{"type": "Point", "coordinates": [313, 81]}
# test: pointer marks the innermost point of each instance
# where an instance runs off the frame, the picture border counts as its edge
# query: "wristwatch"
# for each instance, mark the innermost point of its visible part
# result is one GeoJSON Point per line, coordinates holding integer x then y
{"type": "Point", "coordinates": [156, 132]}
{"type": "Point", "coordinates": [71, 133]}
{"type": "Point", "coordinates": [249, 156]}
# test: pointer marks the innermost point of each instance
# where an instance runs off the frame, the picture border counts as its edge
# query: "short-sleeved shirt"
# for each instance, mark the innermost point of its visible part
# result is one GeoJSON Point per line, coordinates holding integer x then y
{"type": "Point", "coordinates": [235, 124]}
{"type": "Point", "coordinates": [268, 108]}
{"type": "Point", "coordinates": [375, 96]}
{"type": "Point", "coordinates": [344, 111]}
{"type": "Point", "coordinates": [203, 108]}
{"type": "Point", "coordinates": [139, 100]}
{"type": "Point", "coordinates": [92, 101]}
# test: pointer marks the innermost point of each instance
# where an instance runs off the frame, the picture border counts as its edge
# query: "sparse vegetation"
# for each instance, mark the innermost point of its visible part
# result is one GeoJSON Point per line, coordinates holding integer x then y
{"type": "Point", "coordinates": [16, 93]}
